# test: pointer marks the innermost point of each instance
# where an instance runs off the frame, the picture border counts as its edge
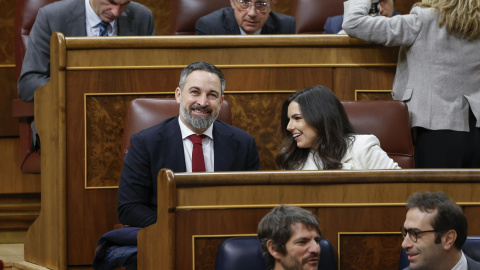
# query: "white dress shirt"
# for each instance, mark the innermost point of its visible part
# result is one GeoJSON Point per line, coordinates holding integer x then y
{"type": "Point", "coordinates": [92, 21]}
{"type": "Point", "coordinates": [207, 146]}
{"type": "Point", "coordinates": [242, 32]}
{"type": "Point", "coordinates": [462, 263]}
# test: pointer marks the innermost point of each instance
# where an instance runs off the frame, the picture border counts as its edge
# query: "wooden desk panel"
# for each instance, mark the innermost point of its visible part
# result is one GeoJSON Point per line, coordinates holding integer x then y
{"type": "Point", "coordinates": [360, 212]}
{"type": "Point", "coordinates": [81, 150]}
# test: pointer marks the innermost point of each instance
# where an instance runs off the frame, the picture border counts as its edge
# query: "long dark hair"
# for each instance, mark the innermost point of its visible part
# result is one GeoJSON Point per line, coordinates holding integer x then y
{"type": "Point", "coordinates": [322, 110]}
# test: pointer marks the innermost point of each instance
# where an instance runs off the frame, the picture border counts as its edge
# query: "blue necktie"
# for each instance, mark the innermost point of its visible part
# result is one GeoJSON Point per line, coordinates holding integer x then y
{"type": "Point", "coordinates": [103, 28]}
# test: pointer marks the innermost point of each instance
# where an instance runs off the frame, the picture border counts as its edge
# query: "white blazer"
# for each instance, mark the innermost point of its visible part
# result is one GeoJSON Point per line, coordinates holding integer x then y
{"type": "Point", "coordinates": [363, 153]}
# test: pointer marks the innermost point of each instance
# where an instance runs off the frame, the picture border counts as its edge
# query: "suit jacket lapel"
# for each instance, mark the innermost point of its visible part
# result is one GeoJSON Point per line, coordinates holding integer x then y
{"type": "Point", "coordinates": [125, 24]}
{"type": "Point", "coordinates": [224, 147]}
{"type": "Point", "coordinates": [268, 27]}
{"type": "Point", "coordinates": [77, 20]}
{"type": "Point", "coordinates": [231, 24]}
{"type": "Point", "coordinates": [171, 146]}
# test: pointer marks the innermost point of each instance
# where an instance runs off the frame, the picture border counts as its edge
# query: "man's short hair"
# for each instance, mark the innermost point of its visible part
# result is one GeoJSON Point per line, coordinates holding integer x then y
{"type": "Point", "coordinates": [449, 215]}
{"type": "Point", "coordinates": [277, 226]}
{"type": "Point", "coordinates": [201, 66]}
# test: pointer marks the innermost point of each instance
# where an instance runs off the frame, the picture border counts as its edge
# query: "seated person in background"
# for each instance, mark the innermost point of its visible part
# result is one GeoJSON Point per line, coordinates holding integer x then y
{"type": "Point", "coordinates": [333, 25]}
{"type": "Point", "coordinates": [290, 238]}
{"type": "Point", "coordinates": [173, 144]}
{"type": "Point", "coordinates": [77, 18]}
{"type": "Point", "coordinates": [245, 17]}
{"type": "Point", "coordinates": [318, 135]}
{"type": "Point", "coordinates": [434, 232]}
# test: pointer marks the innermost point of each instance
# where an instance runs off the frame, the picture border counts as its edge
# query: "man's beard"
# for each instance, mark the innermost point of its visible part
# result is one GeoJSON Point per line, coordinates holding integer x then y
{"type": "Point", "coordinates": [196, 121]}
{"type": "Point", "coordinates": [289, 263]}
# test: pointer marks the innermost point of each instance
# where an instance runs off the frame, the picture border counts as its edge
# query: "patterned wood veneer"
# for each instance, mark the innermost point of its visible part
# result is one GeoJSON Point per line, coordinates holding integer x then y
{"type": "Point", "coordinates": [258, 114]}
{"type": "Point", "coordinates": [380, 251]}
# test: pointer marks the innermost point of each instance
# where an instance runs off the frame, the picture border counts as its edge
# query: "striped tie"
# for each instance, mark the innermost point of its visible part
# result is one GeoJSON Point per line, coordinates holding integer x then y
{"type": "Point", "coordinates": [103, 28]}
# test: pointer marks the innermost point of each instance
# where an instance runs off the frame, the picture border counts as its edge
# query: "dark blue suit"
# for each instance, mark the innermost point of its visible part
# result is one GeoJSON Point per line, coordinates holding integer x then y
{"type": "Point", "coordinates": [160, 147]}
{"type": "Point", "coordinates": [223, 22]}
{"type": "Point", "coordinates": [472, 264]}
{"type": "Point", "coordinates": [333, 25]}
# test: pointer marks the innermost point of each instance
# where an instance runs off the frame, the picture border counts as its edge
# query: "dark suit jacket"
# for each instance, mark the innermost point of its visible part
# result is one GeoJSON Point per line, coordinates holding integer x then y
{"type": "Point", "coordinates": [68, 17]}
{"type": "Point", "coordinates": [472, 265]}
{"type": "Point", "coordinates": [223, 22]}
{"type": "Point", "coordinates": [333, 25]}
{"type": "Point", "coordinates": [160, 147]}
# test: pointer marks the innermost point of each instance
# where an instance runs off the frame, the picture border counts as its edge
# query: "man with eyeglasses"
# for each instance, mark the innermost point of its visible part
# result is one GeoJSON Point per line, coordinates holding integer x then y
{"type": "Point", "coordinates": [434, 232]}
{"type": "Point", "coordinates": [245, 17]}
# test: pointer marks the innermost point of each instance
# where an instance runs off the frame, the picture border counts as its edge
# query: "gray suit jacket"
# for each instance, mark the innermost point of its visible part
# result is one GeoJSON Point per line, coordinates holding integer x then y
{"type": "Point", "coordinates": [223, 22]}
{"type": "Point", "coordinates": [438, 74]}
{"type": "Point", "coordinates": [472, 265]}
{"type": "Point", "coordinates": [68, 17]}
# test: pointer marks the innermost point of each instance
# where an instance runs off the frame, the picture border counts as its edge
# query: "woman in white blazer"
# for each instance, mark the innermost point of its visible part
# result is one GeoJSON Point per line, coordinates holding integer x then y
{"type": "Point", "coordinates": [318, 135]}
{"type": "Point", "coordinates": [438, 74]}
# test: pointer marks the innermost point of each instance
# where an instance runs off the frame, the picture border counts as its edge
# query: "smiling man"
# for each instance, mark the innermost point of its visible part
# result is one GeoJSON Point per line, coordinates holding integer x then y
{"type": "Point", "coordinates": [245, 17]}
{"type": "Point", "coordinates": [434, 232]}
{"type": "Point", "coordinates": [193, 141]}
{"type": "Point", "coordinates": [290, 238]}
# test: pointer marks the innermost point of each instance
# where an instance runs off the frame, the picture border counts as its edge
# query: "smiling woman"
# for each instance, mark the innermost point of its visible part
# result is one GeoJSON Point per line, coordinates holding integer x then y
{"type": "Point", "coordinates": [318, 135]}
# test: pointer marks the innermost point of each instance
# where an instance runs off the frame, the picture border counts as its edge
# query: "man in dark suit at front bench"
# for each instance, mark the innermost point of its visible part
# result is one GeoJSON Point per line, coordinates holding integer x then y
{"type": "Point", "coordinates": [435, 230]}
{"type": "Point", "coordinates": [178, 142]}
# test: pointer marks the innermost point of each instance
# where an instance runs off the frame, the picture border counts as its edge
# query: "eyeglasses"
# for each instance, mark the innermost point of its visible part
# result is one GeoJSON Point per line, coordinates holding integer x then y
{"type": "Point", "coordinates": [260, 6]}
{"type": "Point", "coordinates": [413, 233]}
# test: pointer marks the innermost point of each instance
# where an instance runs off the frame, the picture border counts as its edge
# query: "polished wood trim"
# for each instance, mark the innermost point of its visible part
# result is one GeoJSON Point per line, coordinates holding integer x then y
{"type": "Point", "coordinates": [46, 239]}
{"type": "Point", "coordinates": [128, 94]}
{"type": "Point", "coordinates": [370, 91]}
{"type": "Point", "coordinates": [306, 205]}
{"type": "Point", "coordinates": [226, 41]}
{"type": "Point", "coordinates": [345, 190]}
{"type": "Point", "coordinates": [230, 66]}
{"type": "Point", "coordinates": [164, 228]}
{"type": "Point", "coordinates": [328, 177]}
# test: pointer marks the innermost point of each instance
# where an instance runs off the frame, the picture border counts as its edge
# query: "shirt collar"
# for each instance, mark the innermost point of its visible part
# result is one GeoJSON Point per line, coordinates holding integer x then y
{"type": "Point", "coordinates": [462, 263]}
{"type": "Point", "coordinates": [92, 18]}
{"type": "Point", "coordinates": [255, 33]}
{"type": "Point", "coordinates": [187, 131]}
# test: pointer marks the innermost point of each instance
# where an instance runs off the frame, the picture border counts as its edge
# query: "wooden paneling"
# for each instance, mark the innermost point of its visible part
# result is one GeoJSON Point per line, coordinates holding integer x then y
{"type": "Point", "coordinates": [360, 212]}
{"type": "Point", "coordinates": [79, 117]}
{"type": "Point", "coordinates": [378, 251]}
{"type": "Point", "coordinates": [49, 231]}
{"type": "Point", "coordinates": [18, 211]}
{"type": "Point", "coordinates": [7, 23]}
{"type": "Point", "coordinates": [473, 217]}
{"type": "Point", "coordinates": [211, 222]}
{"type": "Point", "coordinates": [8, 124]}
{"type": "Point", "coordinates": [11, 178]}
{"type": "Point", "coordinates": [347, 80]}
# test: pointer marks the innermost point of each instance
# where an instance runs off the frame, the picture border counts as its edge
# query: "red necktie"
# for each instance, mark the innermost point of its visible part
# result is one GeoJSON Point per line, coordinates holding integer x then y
{"type": "Point", "coordinates": [198, 161]}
